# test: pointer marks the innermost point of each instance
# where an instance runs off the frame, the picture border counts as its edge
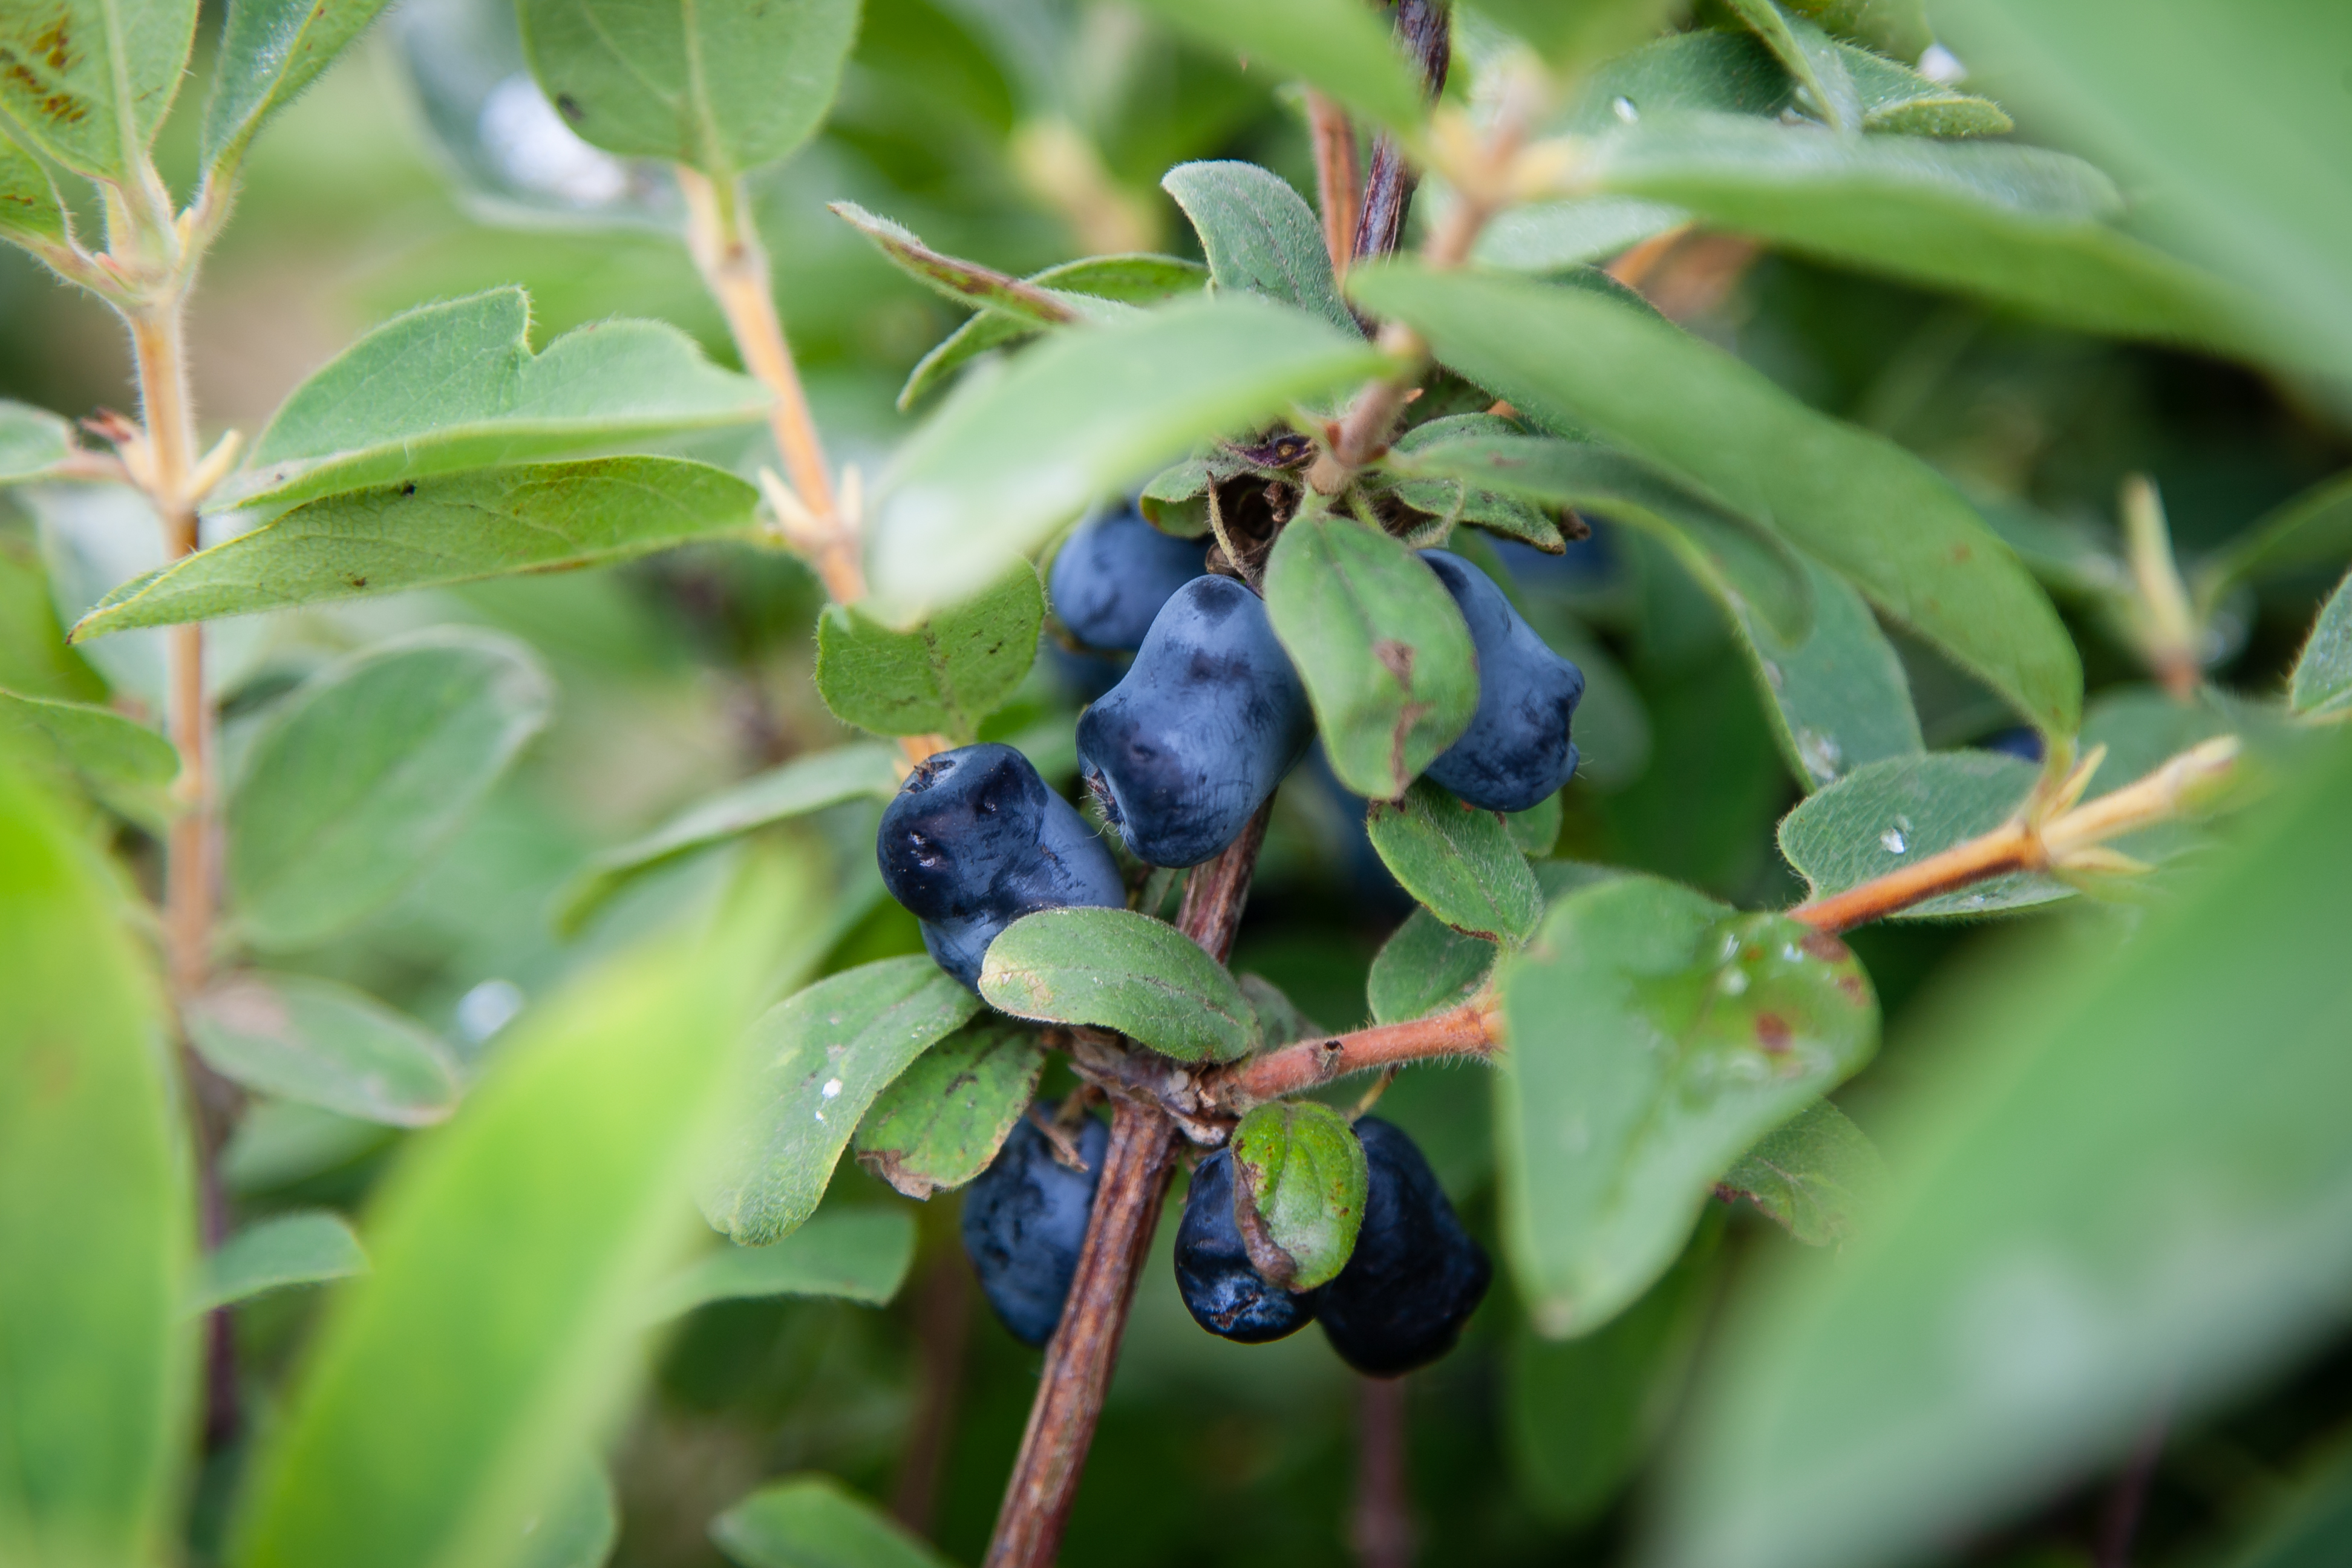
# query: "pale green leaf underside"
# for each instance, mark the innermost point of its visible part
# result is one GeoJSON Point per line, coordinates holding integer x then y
{"type": "Point", "coordinates": [123, 763]}
{"type": "Point", "coordinates": [1260, 236]}
{"type": "Point", "coordinates": [270, 50]}
{"type": "Point", "coordinates": [1334, 45]}
{"type": "Point", "coordinates": [850, 1255]}
{"type": "Point", "coordinates": [308, 1249]}
{"type": "Point", "coordinates": [29, 208]}
{"type": "Point", "coordinates": [321, 1043]}
{"type": "Point", "coordinates": [2323, 674]}
{"type": "Point", "coordinates": [88, 81]}
{"type": "Point", "coordinates": [33, 441]}
{"type": "Point", "coordinates": [433, 532]}
{"type": "Point", "coordinates": [1120, 970]}
{"type": "Point", "coordinates": [813, 1521]}
{"type": "Point", "coordinates": [1458, 862]}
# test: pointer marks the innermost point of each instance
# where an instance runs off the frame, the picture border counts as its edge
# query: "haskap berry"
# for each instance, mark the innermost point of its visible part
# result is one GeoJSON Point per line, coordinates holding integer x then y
{"type": "Point", "coordinates": [1210, 716]}
{"type": "Point", "coordinates": [1226, 1294]}
{"type": "Point", "coordinates": [1024, 1221]}
{"type": "Point", "coordinates": [974, 841]}
{"type": "Point", "coordinates": [1516, 752]}
{"type": "Point", "coordinates": [1114, 572]}
{"type": "Point", "coordinates": [1415, 1275]}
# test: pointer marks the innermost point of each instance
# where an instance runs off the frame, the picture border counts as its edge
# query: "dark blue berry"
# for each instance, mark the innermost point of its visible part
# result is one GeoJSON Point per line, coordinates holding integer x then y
{"type": "Point", "coordinates": [1516, 752]}
{"type": "Point", "coordinates": [1114, 572]}
{"type": "Point", "coordinates": [1208, 720]}
{"type": "Point", "coordinates": [1415, 1275]}
{"type": "Point", "coordinates": [1224, 1293]}
{"type": "Point", "coordinates": [1024, 1221]}
{"type": "Point", "coordinates": [974, 841]}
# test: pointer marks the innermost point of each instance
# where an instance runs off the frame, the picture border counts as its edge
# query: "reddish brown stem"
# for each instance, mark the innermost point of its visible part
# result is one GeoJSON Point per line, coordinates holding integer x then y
{"type": "Point", "coordinates": [1338, 189]}
{"type": "Point", "coordinates": [1471, 1030]}
{"type": "Point", "coordinates": [1424, 28]}
{"type": "Point", "coordinates": [1379, 1522]}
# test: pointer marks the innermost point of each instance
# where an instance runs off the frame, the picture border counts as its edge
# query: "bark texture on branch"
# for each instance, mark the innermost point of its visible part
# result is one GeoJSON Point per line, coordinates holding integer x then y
{"type": "Point", "coordinates": [1425, 30]}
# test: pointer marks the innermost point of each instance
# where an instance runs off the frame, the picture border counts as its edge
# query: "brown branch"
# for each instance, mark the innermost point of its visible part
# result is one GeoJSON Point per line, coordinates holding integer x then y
{"type": "Point", "coordinates": [1379, 1522]}
{"type": "Point", "coordinates": [1424, 28]}
{"type": "Point", "coordinates": [1475, 1028]}
{"type": "Point", "coordinates": [1338, 189]}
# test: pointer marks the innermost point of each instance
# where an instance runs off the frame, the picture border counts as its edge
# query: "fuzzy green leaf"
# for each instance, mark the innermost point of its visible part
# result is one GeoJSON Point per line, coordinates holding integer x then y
{"type": "Point", "coordinates": [944, 675]}
{"type": "Point", "coordinates": [1126, 279]}
{"type": "Point", "coordinates": [30, 212]}
{"type": "Point", "coordinates": [813, 1521]}
{"type": "Point", "coordinates": [1837, 697]}
{"type": "Point", "coordinates": [1424, 967]}
{"type": "Point", "coordinates": [306, 1249]}
{"type": "Point", "coordinates": [1816, 1175]}
{"type": "Point", "coordinates": [1260, 237]}
{"type": "Point", "coordinates": [1334, 45]}
{"type": "Point", "coordinates": [969, 282]}
{"type": "Point", "coordinates": [2312, 529]}
{"type": "Point", "coordinates": [1124, 971]}
{"type": "Point", "coordinates": [1299, 1177]}
{"type": "Point", "coordinates": [270, 50]}
{"type": "Point", "coordinates": [1896, 813]}
{"type": "Point", "coordinates": [2323, 672]}
{"type": "Point", "coordinates": [1382, 649]}
{"type": "Point", "coordinates": [33, 441]}
{"type": "Point", "coordinates": [850, 1255]}
{"type": "Point", "coordinates": [819, 1060]}
{"type": "Point", "coordinates": [123, 763]}
{"type": "Point", "coordinates": [370, 768]}
{"type": "Point", "coordinates": [943, 1120]}
{"type": "Point", "coordinates": [318, 1042]}
{"type": "Point", "coordinates": [1811, 57]}
{"type": "Point", "coordinates": [1459, 862]}
{"type": "Point", "coordinates": [1656, 1034]}
{"type": "Point", "coordinates": [89, 81]}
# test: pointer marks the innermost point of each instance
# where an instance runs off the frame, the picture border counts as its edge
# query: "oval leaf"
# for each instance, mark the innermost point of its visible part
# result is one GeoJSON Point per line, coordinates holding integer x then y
{"type": "Point", "coordinates": [850, 1255]}
{"type": "Point", "coordinates": [89, 81]}
{"type": "Point", "coordinates": [1260, 237]}
{"type": "Point", "coordinates": [370, 768]}
{"type": "Point", "coordinates": [813, 1521]}
{"type": "Point", "coordinates": [1424, 967]}
{"type": "Point", "coordinates": [308, 1248]}
{"type": "Point", "coordinates": [1331, 43]}
{"type": "Point", "coordinates": [269, 51]}
{"type": "Point", "coordinates": [1816, 1176]}
{"type": "Point", "coordinates": [2323, 672]}
{"type": "Point", "coordinates": [1299, 1177]}
{"type": "Point", "coordinates": [1459, 861]}
{"type": "Point", "coordinates": [1896, 813]}
{"type": "Point", "coordinates": [123, 763]}
{"type": "Point", "coordinates": [1838, 697]}
{"type": "Point", "coordinates": [943, 1120]}
{"type": "Point", "coordinates": [315, 1042]}
{"type": "Point", "coordinates": [1656, 1034]}
{"type": "Point", "coordinates": [1120, 970]}
{"type": "Point", "coordinates": [1128, 279]}
{"type": "Point", "coordinates": [942, 676]}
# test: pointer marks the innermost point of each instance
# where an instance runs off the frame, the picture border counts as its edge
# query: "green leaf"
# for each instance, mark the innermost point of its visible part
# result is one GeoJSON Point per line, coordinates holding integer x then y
{"type": "Point", "coordinates": [1260, 237]}
{"type": "Point", "coordinates": [318, 1042]}
{"type": "Point", "coordinates": [1424, 967]}
{"type": "Point", "coordinates": [270, 50]}
{"type": "Point", "coordinates": [819, 1060]}
{"type": "Point", "coordinates": [579, 1527]}
{"type": "Point", "coordinates": [1535, 830]}
{"type": "Point", "coordinates": [813, 1521]}
{"type": "Point", "coordinates": [1459, 861]}
{"type": "Point", "coordinates": [943, 1120]}
{"type": "Point", "coordinates": [721, 87]}
{"type": "Point", "coordinates": [447, 1391]}
{"type": "Point", "coordinates": [89, 81]}
{"type": "Point", "coordinates": [33, 441]}
{"type": "Point", "coordinates": [1544, 236]}
{"type": "Point", "coordinates": [1582, 1414]}
{"type": "Point", "coordinates": [1896, 98]}
{"type": "Point", "coordinates": [1334, 45]}
{"type": "Point", "coordinates": [1280, 1021]}
{"type": "Point", "coordinates": [1811, 58]}
{"type": "Point", "coordinates": [1838, 697]}
{"type": "Point", "coordinates": [1299, 1177]}
{"type": "Point", "coordinates": [1382, 649]}
{"type": "Point", "coordinates": [2119, 1188]}
{"type": "Point", "coordinates": [1455, 500]}
{"type": "Point", "coordinates": [944, 675]}
{"type": "Point", "coordinates": [30, 212]}
{"type": "Point", "coordinates": [969, 282]}
{"type": "Point", "coordinates": [433, 533]}
{"type": "Point", "coordinates": [796, 788]}
{"type": "Point", "coordinates": [2312, 529]}
{"type": "Point", "coordinates": [2016, 226]}
{"type": "Point", "coordinates": [1656, 1034]}
{"type": "Point", "coordinates": [1705, 71]}
{"type": "Point", "coordinates": [455, 386]}
{"type": "Point", "coordinates": [1721, 546]}
{"type": "Point", "coordinates": [1863, 507]}
{"type": "Point", "coordinates": [370, 768]}
{"type": "Point", "coordinates": [1817, 1175]}
{"type": "Point", "coordinates": [2309, 1528]}
{"type": "Point", "coordinates": [123, 763]}
{"type": "Point", "coordinates": [278, 1142]}
{"type": "Point", "coordinates": [307, 1249]}
{"type": "Point", "coordinates": [1888, 815]}
{"type": "Point", "coordinates": [1897, 28]}
{"type": "Point", "coordinates": [2323, 672]}
{"type": "Point", "coordinates": [1122, 971]}
{"type": "Point", "coordinates": [1138, 279]}
{"type": "Point", "coordinates": [852, 1255]}
{"type": "Point", "coordinates": [97, 1213]}
{"type": "Point", "coordinates": [1002, 465]}
{"type": "Point", "coordinates": [1573, 37]}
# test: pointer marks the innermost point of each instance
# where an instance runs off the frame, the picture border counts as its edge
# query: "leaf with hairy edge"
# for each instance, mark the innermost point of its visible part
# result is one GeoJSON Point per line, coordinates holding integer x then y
{"type": "Point", "coordinates": [1454, 500]}
{"type": "Point", "coordinates": [2119, 1188]}
{"type": "Point", "coordinates": [370, 768]}
{"type": "Point", "coordinates": [1864, 508]}
{"type": "Point", "coordinates": [1895, 27]}
{"type": "Point", "coordinates": [270, 50]}
{"type": "Point", "coordinates": [943, 1120]}
{"type": "Point", "coordinates": [815, 1522]}
{"type": "Point", "coordinates": [1811, 58]}
{"type": "Point", "coordinates": [819, 1060]}
{"type": "Point", "coordinates": [1838, 697]}
{"type": "Point", "coordinates": [322, 1043]}
{"type": "Point", "coordinates": [1896, 98]}
{"type": "Point", "coordinates": [722, 86]}
{"type": "Point", "coordinates": [455, 386]}
{"type": "Point", "coordinates": [1137, 280]}
{"type": "Point", "coordinates": [96, 1213]}
{"type": "Point", "coordinates": [2323, 673]}
{"type": "Point", "coordinates": [1299, 1177]}
{"type": "Point", "coordinates": [1124, 971]}
{"type": "Point", "coordinates": [1816, 1177]}
{"type": "Point", "coordinates": [2018, 227]}
{"type": "Point", "coordinates": [1260, 236]}
{"type": "Point", "coordinates": [2312, 529]}
{"type": "Point", "coordinates": [1458, 861]}
{"type": "Point", "coordinates": [33, 441]}
{"type": "Point", "coordinates": [944, 675]}
{"type": "Point", "coordinates": [1334, 45]}
{"type": "Point", "coordinates": [306, 1249]}
{"type": "Point", "coordinates": [125, 764]}
{"type": "Point", "coordinates": [1001, 466]}
{"type": "Point", "coordinates": [446, 1398]}
{"type": "Point", "coordinates": [1380, 646]}
{"type": "Point", "coordinates": [89, 81]}
{"type": "Point", "coordinates": [1656, 1034]}
{"type": "Point", "coordinates": [968, 282]}
{"type": "Point", "coordinates": [1537, 829]}
{"type": "Point", "coordinates": [1896, 813]}
{"type": "Point", "coordinates": [1424, 967]}
{"type": "Point", "coordinates": [850, 1255]}
{"type": "Point", "coordinates": [804, 784]}
{"type": "Point", "coordinates": [1751, 563]}
{"type": "Point", "coordinates": [433, 533]}
{"type": "Point", "coordinates": [30, 211]}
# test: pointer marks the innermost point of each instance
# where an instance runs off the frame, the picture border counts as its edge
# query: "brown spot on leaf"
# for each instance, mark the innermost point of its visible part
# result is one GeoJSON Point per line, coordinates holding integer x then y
{"type": "Point", "coordinates": [569, 107]}
{"type": "Point", "coordinates": [885, 1164]}
{"type": "Point", "coordinates": [1826, 948]}
{"type": "Point", "coordinates": [357, 582]}
{"type": "Point", "coordinates": [1772, 1033]}
{"type": "Point", "coordinates": [1396, 657]}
